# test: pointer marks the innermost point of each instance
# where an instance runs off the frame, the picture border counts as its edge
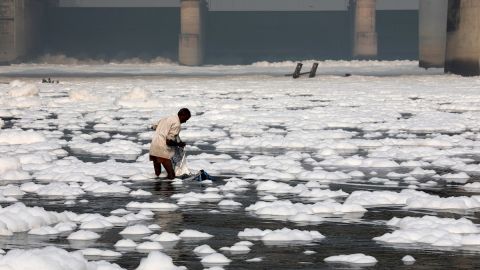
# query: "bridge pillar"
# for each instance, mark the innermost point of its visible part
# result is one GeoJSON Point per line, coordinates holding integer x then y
{"type": "Point", "coordinates": [191, 40]}
{"type": "Point", "coordinates": [365, 35]}
{"type": "Point", "coordinates": [432, 29]}
{"type": "Point", "coordinates": [463, 38]}
{"type": "Point", "coordinates": [8, 28]}
{"type": "Point", "coordinates": [20, 28]}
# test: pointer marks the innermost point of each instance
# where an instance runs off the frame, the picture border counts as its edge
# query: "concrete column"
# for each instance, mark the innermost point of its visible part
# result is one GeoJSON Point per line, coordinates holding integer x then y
{"type": "Point", "coordinates": [463, 37]}
{"type": "Point", "coordinates": [191, 41]}
{"type": "Point", "coordinates": [365, 35]}
{"type": "Point", "coordinates": [432, 29]}
{"type": "Point", "coordinates": [21, 28]}
{"type": "Point", "coordinates": [7, 31]}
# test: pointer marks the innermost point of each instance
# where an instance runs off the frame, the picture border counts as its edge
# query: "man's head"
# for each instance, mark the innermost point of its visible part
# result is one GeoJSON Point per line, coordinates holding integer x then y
{"type": "Point", "coordinates": [184, 115]}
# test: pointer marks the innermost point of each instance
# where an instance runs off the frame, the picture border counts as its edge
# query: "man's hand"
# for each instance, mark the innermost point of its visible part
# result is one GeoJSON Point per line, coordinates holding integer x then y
{"type": "Point", "coordinates": [174, 143]}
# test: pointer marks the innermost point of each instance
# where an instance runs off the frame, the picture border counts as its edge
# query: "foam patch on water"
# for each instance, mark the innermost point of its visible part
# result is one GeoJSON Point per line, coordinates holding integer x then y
{"type": "Point", "coordinates": [286, 209]}
{"type": "Point", "coordinates": [357, 258]}
{"type": "Point", "coordinates": [115, 148]}
{"type": "Point", "coordinates": [154, 206]}
{"type": "Point", "coordinates": [434, 231]}
{"type": "Point", "coordinates": [136, 229]}
{"type": "Point", "coordinates": [379, 198]}
{"type": "Point", "coordinates": [157, 258]}
{"type": "Point", "coordinates": [20, 218]}
{"type": "Point", "coordinates": [284, 235]}
{"type": "Point", "coordinates": [194, 234]}
{"type": "Point", "coordinates": [51, 258]}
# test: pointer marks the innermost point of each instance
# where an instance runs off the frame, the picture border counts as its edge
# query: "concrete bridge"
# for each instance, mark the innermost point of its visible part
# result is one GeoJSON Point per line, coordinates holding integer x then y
{"type": "Point", "coordinates": [456, 47]}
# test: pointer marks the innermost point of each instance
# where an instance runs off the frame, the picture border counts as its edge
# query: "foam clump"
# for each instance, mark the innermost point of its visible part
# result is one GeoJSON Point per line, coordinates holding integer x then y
{"type": "Point", "coordinates": [137, 98]}
{"type": "Point", "coordinates": [96, 224]}
{"type": "Point", "coordinates": [11, 169]}
{"type": "Point", "coordinates": [81, 95]}
{"type": "Point", "coordinates": [20, 218]}
{"type": "Point", "coordinates": [125, 243]}
{"type": "Point", "coordinates": [49, 258]}
{"type": "Point", "coordinates": [408, 259]}
{"type": "Point", "coordinates": [95, 252]}
{"type": "Point", "coordinates": [164, 237]}
{"type": "Point", "coordinates": [433, 231]}
{"type": "Point", "coordinates": [460, 177]}
{"type": "Point", "coordinates": [22, 89]}
{"type": "Point", "coordinates": [280, 235]}
{"type": "Point", "coordinates": [287, 209]}
{"type": "Point", "coordinates": [215, 258]}
{"type": "Point", "coordinates": [46, 230]}
{"type": "Point", "coordinates": [149, 246]}
{"type": "Point", "coordinates": [237, 248]}
{"type": "Point", "coordinates": [203, 250]}
{"type": "Point", "coordinates": [475, 186]}
{"type": "Point", "coordinates": [156, 259]}
{"type": "Point", "coordinates": [357, 258]}
{"type": "Point", "coordinates": [140, 193]}
{"type": "Point", "coordinates": [383, 197]}
{"type": "Point", "coordinates": [154, 206]}
{"type": "Point", "coordinates": [359, 162]}
{"type": "Point", "coordinates": [83, 235]}
{"type": "Point", "coordinates": [193, 198]}
{"type": "Point", "coordinates": [53, 189]}
{"type": "Point", "coordinates": [16, 137]}
{"type": "Point", "coordinates": [115, 148]}
{"type": "Point", "coordinates": [443, 203]}
{"type": "Point", "coordinates": [99, 187]}
{"type": "Point", "coordinates": [190, 234]}
{"type": "Point", "coordinates": [229, 203]}
{"type": "Point", "coordinates": [136, 229]}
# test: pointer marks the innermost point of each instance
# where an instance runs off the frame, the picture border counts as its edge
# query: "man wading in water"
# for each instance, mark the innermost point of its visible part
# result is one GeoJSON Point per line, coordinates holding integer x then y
{"type": "Point", "coordinates": [164, 141]}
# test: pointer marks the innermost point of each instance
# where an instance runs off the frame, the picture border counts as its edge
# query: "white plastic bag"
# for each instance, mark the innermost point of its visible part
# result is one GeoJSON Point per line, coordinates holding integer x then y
{"type": "Point", "coordinates": [179, 161]}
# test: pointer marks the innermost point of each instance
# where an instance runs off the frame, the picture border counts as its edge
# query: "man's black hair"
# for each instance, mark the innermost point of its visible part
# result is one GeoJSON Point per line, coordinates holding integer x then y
{"type": "Point", "coordinates": [185, 112]}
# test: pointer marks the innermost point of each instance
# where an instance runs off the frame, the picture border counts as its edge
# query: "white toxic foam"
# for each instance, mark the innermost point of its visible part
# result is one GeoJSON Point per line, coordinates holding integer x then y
{"type": "Point", "coordinates": [164, 237]}
{"type": "Point", "coordinates": [125, 243]}
{"type": "Point", "coordinates": [154, 206]}
{"type": "Point", "coordinates": [149, 246]}
{"type": "Point", "coordinates": [215, 258]}
{"type": "Point", "coordinates": [49, 258]}
{"type": "Point", "coordinates": [191, 234]}
{"type": "Point", "coordinates": [203, 250]}
{"type": "Point", "coordinates": [408, 259]}
{"type": "Point", "coordinates": [22, 89]}
{"type": "Point", "coordinates": [379, 198]}
{"type": "Point", "coordinates": [280, 235]}
{"type": "Point", "coordinates": [15, 137]}
{"type": "Point", "coordinates": [434, 231]}
{"type": "Point", "coordinates": [156, 259]}
{"type": "Point", "coordinates": [285, 208]}
{"type": "Point", "coordinates": [83, 235]}
{"type": "Point", "coordinates": [357, 258]}
{"type": "Point", "coordinates": [20, 218]}
{"type": "Point", "coordinates": [136, 229]}
{"type": "Point", "coordinates": [95, 252]}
